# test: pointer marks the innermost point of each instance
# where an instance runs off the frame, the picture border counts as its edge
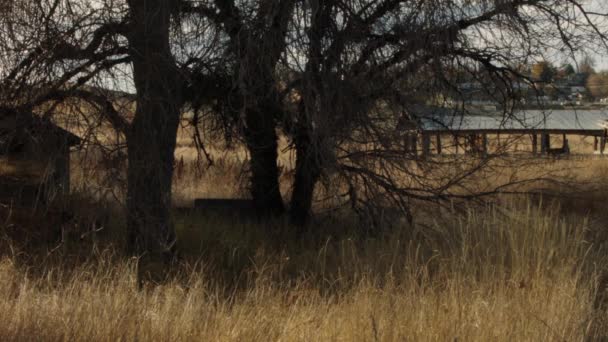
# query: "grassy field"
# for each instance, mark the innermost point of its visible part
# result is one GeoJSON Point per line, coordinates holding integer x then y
{"type": "Point", "coordinates": [514, 273]}
{"type": "Point", "coordinates": [519, 268]}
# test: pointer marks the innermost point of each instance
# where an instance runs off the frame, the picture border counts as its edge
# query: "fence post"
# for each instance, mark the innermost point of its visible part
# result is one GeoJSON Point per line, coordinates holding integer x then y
{"type": "Point", "coordinates": [438, 143]}
{"type": "Point", "coordinates": [426, 144]}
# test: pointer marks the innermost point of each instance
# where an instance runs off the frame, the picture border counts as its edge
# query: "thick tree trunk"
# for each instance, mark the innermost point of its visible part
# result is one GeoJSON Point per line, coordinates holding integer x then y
{"type": "Point", "coordinates": [152, 136]}
{"type": "Point", "coordinates": [308, 156]}
{"type": "Point", "coordinates": [260, 42]}
{"type": "Point", "coordinates": [262, 143]}
{"type": "Point", "coordinates": [149, 177]}
{"type": "Point", "coordinates": [308, 171]}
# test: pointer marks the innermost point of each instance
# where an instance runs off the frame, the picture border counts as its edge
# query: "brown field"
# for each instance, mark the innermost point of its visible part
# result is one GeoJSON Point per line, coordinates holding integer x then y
{"type": "Point", "coordinates": [521, 268]}
{"type": "Point", "coordinates": [510, 273]}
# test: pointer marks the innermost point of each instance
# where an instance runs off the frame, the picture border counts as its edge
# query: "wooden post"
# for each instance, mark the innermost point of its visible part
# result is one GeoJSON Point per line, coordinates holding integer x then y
{"type": "Point", "coordinates": [484, 144]}
{"type": "Point", "coordinates": [534, 143]}
{"type": "Point", "coordinates": [471, 144]}
{"type": "Point", "coordinates": [498, 146]}
{"type": "Point", "coordinates": [406, 143]}
{"type": "Point", "coordinates": [414, 143]}
{"type": "Point", "coordinates": [595, 143]}
{"type": "Point", "coordinates": [603, 144]}
{"type": "Point", "coordinates": [426, 144]}
{"type": "Point", "coordinates": [456, 143]}
{"type": "Point", "coordinates": [565, 144]}
{"type": "Point", "coordinates": [545, 143]}
{"type": "Point", "coordinates": [438, 143]}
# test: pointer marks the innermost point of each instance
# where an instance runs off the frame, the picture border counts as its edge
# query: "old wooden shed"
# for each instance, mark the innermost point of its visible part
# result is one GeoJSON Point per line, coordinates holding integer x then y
{"type": "Point", "coordinates": [34, 158]}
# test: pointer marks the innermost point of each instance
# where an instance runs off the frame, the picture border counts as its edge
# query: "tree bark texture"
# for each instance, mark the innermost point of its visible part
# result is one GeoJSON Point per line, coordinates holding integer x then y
{"type": "Point", "coordinates": [152, 136]}
{"type": "Point", "coordinates": [261, 137]}
{"type": "Point", "coordinates": [308, 171]}
{"type": "Point", "coordinates": [259, 45]}
{"type": "Point", "coordinates": [307, 139]}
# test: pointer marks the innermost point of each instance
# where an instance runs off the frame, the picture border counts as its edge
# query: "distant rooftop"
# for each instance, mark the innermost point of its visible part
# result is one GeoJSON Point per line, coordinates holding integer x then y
{"type": "Point", "coordinates": [557, 121]}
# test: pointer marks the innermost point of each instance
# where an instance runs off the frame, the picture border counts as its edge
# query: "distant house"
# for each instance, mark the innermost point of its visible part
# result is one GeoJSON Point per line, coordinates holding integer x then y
{"type": "Point", "coordinates": [34, 158]}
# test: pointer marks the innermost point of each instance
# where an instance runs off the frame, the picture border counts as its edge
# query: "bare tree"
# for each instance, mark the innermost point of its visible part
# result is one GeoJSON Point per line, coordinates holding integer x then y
{"type": "Point", "coordinates": [152, 134]}
{"type": "Point", "coordinates": [360, 70]}
{"type": "Point", "coordinates": [57, 50]}
{"type": "Point", "coordinates": [365, 67]}
{"type": "Point", "coordinates": [256, 39]}
{"type": "Point", "coordinates": [347, 81]}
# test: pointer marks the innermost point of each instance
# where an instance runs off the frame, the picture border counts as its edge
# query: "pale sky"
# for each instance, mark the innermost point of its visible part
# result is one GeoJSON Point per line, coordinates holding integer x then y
{"type": "Point", "coordinates": [601, 63]}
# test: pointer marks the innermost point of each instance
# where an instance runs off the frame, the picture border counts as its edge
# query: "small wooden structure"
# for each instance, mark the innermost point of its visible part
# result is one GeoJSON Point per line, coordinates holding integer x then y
{"type": "Point", "coordinates": [34, 158]}
{"type": "Point", "coordinates": [538, 125]}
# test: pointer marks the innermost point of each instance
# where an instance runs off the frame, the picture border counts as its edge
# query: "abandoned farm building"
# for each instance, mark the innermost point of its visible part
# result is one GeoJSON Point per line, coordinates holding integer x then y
{"type": "Point", "coordinates": [34, 158]}
{"type": "Point", "coordinates": [441, 130]}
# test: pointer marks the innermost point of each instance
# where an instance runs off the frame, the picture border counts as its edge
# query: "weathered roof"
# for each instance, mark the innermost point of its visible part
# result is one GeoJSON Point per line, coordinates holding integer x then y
{"type": "Point", "coordinates": [22, 125]}
{"type": "Point", "coordinates": [573, 121]}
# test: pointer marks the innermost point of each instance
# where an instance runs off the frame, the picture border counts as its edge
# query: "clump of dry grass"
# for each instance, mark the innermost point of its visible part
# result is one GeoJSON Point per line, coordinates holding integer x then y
{"type": "Point", "coordinates": [515, 272]}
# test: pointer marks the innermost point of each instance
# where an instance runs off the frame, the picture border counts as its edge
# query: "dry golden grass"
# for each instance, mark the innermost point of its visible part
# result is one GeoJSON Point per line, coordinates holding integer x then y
{"type": "Point", "coordinates": [516, 271]}
{"type": "Point", "coordinates": [512, 273]}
